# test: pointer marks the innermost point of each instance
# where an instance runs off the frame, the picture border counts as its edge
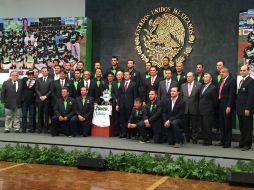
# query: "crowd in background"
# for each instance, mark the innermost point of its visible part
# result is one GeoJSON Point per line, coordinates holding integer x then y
{"type": "Point", "coordinates": [165, 105]}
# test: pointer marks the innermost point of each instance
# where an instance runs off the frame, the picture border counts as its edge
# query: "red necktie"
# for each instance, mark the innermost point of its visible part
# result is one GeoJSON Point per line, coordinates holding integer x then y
{"type": "Point", "coordinates": [126, 86]}
{"type": "Point", "coordinates": [241, 82]}
{"type": "Point", "coordinates": [221, 86]}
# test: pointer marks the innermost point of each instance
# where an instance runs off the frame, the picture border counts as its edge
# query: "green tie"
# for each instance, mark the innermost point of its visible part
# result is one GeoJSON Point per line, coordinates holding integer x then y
{"type": "Point", "coordinates": [198, 78]}
{"type": "Point", "coordinates": [110, 87]}
{"type": "Point", "coordinates": [151, 107]}
{"type": "Point", "coordinates": [75, 84]}
{"type": "Point", "coordinates": [83, 101]}
{"type": "Point", "coordinates": [137, 112]}
{"type": "Point", "coordinates": [218, 78]}
{"type": "Point", "coordinates": [98, 83]}
{"type": "Point", "coordinates": [147, 76]}
{"type": "Point", "coordinates": [118, 84]}
{"type": "Point", "coordinates": [178, 77]}
{"type": "Point", "coordinates": [65, 104]}
{"type": "Point", "coordinates": [113, 71]}
{"type": "Point", "coordinates": [164, 74]}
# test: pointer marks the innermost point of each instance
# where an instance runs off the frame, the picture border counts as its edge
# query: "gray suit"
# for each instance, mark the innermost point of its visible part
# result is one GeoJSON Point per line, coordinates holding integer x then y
{"type": "Point", "coordinates": [11, 97]}
{"type": "Point", "coordinates": [162, 91]}
{"type": "Point", "coordinates": [191, 110]}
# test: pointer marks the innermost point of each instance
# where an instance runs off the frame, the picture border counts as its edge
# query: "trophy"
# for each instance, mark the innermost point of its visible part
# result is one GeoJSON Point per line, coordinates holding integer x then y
{"type": "Point", "coordinates": [106, 97]}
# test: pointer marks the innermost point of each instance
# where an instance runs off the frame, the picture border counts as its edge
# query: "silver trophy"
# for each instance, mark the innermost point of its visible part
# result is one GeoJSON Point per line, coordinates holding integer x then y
{"type": "Point", "coordinates": [106, 97]}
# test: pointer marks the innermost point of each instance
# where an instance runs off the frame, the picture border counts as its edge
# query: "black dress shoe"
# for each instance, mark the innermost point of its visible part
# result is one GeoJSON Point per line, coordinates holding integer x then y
{"type": "Point", "coordinates": [23, 130]}
{"type": "Point", "coordinates": [122, 136]}
{"type": "Point", "coordinates": [207, 143]}
{"type": "Point", "coordinates": [194, 141]}
{"type": "Point", "coordinates": [187, 140]}
{"type": "Point", "coordinates": [227, 146]}
{"type": "Point", "coordinates": [39, 131]}
{"type": "Point", "coordinates": [6, 131]}
{"type": "Point", "coordinates": [246, 148]}
{"type": "Point", "coordinates": [31, 131]}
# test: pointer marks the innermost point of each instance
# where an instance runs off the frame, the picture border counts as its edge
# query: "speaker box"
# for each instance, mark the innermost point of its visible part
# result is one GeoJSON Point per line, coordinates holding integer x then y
{"type": "Point", "coordinates": [241, 179]}
{"type": "Point", "coordinates": [91, 163]}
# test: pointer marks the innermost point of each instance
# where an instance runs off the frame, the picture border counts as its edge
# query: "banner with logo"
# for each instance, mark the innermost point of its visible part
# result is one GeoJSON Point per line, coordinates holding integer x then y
{"type": "Point", "coordinates": [101, 115]}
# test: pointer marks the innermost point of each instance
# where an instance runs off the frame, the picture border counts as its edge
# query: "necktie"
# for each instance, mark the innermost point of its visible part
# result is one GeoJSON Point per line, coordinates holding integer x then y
{"type": "Point", "coordinates": [151, 107]}
{"type": "Point", "coordinates": [113, 71]}
{"type": "Point", "coordinates": [221, 86]}
{"type": "Point", "coordinates": [44, 79]}
{"type": "Point", "coordinates": [29, 84]}
{"type": "Point", "coordinates": [65, 104]}
{"type": "Point", "coordinates": [164, 74]}
{"type": "Point", "coordinates": [83, 101]}
{"type": "Point", "coordinates": [86, 84]}
{"type": "Point", "coordinates": [110, 87]}
{"type": "Point", "coordinates": [126, 86]}
{"type": "Point", "coordinates": [178, 77]}
{"type": "Point", "coordinates": [240, 84]}
{"type": "Point", "coordinates": [118, 84]}
{"type": "Point", "coordinates": [204, 89]}
{"type": "Point", "coordinates": [218, 78]}
{"type": "Point", "coordinates": [98, 83]}
{"type": "Point", "coordinates": [198, 78]}
{"type": "Point", "coordinates": [62, 83]}
{"type": "Point", "coordinates": [167, 86]}
{"type": "Point", "coordinates": [189, 89]}
{"type": "Point", "coordinates": [137, 113]}
{"type": "Point", "coordinates": [152, 81]}
{"type": "Point", "coordinates": [147, 76]}
{"type": "Point", "coordinates": [75, 84]}
{"type": "Point", "coordinates": [14, 84]}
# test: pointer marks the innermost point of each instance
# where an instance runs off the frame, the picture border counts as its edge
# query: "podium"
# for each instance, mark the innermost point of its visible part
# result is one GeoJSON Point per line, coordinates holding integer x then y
{"type": "Point", "coordinates": [102, 124]}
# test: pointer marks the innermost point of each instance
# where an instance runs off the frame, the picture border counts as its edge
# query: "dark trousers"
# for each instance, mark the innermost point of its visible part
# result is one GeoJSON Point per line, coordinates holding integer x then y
{"type": "Point", "coordinates": [226, 122]}
{"type": "Point", "coordinates": [116, 117]}
{"type": "Point", "coordinates": [43, 115]}
{"type": "Point", "coordinates": [60, 127]}
{"type": "Point", "coordinates": [27, 110]}
{"type": "Point", "coordinates": [80, 127]}
{"type": "Point", "coordinates": [207, 123]}
{"type": "Point", "coordinates": [144, 131]}
{"type": "Point", "coordinates": [246, 130]}
{"type": "Point", "coordinates": [191, 128]}
{"type": "Point", "coordinates": [174, 134]}
{"type": "Point", "coordinates": [124, 117]}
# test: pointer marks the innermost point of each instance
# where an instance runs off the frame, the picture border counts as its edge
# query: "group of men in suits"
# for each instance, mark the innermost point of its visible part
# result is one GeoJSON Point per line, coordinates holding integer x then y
{"type": "Point", "coordinates": [172, 103]}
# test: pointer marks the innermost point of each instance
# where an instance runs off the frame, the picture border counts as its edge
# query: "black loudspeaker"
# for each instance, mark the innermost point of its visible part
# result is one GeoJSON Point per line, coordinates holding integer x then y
{"type": "Point", "coordinates": [91, 163]}
{"type": "Point", "coordinates": [241, 179]}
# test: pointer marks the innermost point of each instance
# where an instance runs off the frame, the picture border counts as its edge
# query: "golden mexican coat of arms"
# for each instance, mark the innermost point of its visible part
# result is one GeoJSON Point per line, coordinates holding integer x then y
{"type": "Point", "coordinates": [164, 32]}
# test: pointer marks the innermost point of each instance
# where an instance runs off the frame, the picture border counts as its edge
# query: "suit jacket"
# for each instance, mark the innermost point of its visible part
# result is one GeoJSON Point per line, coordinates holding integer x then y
{"type": "Point", "coordinates": [135, 76]}
{"type": "Point", "coordinates": [148, 86]}
{"type": "Point", "coordinates": [70, 75]}
{"type": "Point", "coordinates": [117, 90]}
{"type": "Point", "coordinates": [208, 100]}
{"type": "Point", "coordinates": [136, 115]}
{"type": "Point", "coordinates": [44, 89]}
{"type": "Point", "coordinates": [154, 116]}
{"type": "Point", "coordinates": [28, 94]}
{"type": "Point", "coordinates": [181, 80]}
{"type": "Point", "coordinates": [60, 110]}
{"type": "Point", "coordinates": [74, 93]}
{"type": "Point", "coordinates": [91, 88]}
{"type": "Point", "coordinates": [228, 93]}
{"type": "Point", "coordinates": [162, 91]}
{"type": "Point", "coordinates": [172, 114]}
{"type": "Point", "coordinates": [85, 110]}
{"type": "Point", "coordinates": [191, 102]}
{"type": "Point", "coordinates": [245, 97]}
{"type": "Point", "coordinates": [57, 88]}
{"type": "Point", "coordinates": [99, 89]}
{"type": "Point", "coordinates": [9, 96]}
{"type": "Point", "coordinates": [127, 97]}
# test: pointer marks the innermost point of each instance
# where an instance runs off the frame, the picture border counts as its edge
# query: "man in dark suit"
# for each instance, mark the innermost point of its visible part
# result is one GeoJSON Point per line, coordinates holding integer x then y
{"type": "Point", "coordinates": [128, 93]}
{"type": "Point", "coordinates": [28, 101]}
{"type": "Point", "coordinates": [199, 73]}
{"type": "Point", "coordinates": [226, 98]}
{"type": "Point", "coordinates": [114, 66]}
{"type": "Point", "coordinates": [173, 116]}
{"type": "Point", "coordinates": [153, 119]}
{"type": "Point", "coordinates": [151, 83]}
{"type": "Point", "coordinates": [135, 75]}
{"type": "Point", "coordinates": [43, 89]}
{"type": "Point", "coordinates": [11, 98]}
{"type": "Point", "coordinates": [190, 92]}
{"type": "Point", "coordinates": [207, 106]}
{"type": "Point", "coordinates": [179, 76]}
{"type": "Point", "coordinates": [117, 86]}
{"type": "Point", "coordinates": [74, 85]}
{"type": "Point", "coordinates": [100, 86]}
{"type": "Point", "coordinates": [69, 72]}
{"type": "Point", "coordinates": [167, 65]}
{"type": "Point", "coordinates": [90, 84]}
{"type": "Point", "coordinates": [83, 114]}
{"type": "Point", "coordinates": [166, 85]}
{"type": "Point", "coordinates": [58, 85]}
{"type": "Point", "coordinates": [245, 108]}
{"type": "Point", "coordinates": [63, 112]}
